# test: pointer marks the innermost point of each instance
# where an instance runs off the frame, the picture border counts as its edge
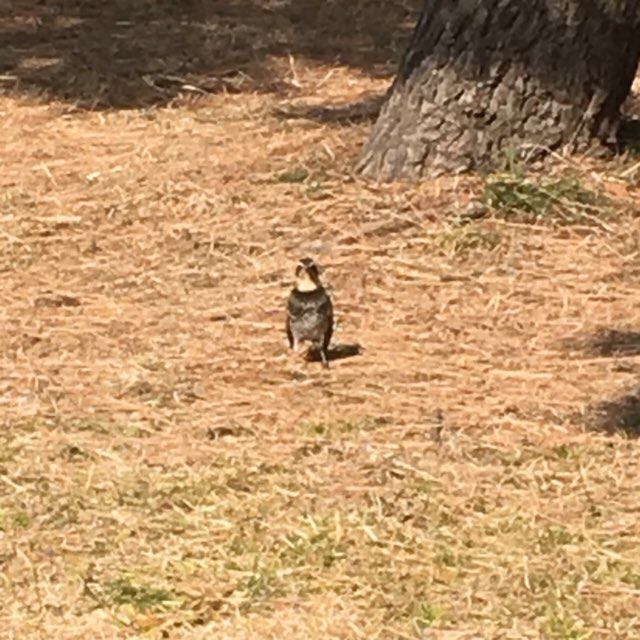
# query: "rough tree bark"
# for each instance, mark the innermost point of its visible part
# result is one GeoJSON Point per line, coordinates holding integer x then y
{"type": "Point", "coordinates": [484, 78]}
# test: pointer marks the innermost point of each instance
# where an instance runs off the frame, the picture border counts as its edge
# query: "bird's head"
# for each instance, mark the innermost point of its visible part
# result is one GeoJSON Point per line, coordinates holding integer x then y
{"type": "Point", "coordinates": [307, 275]}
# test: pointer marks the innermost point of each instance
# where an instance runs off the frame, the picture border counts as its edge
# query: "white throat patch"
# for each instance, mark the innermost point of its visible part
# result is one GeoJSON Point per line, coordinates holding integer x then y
{"type": "Point", "coordinates": [305, 283]}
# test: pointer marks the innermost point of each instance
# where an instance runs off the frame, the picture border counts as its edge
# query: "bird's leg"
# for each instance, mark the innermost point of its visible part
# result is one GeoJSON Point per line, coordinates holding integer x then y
{"type": "Point", "coordinates": [296, 345]}
{"type": "Point", "coordinates": [323, 357]}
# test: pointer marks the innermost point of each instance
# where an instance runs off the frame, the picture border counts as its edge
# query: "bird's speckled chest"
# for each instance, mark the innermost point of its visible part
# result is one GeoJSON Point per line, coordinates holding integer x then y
{"type": "Point", "coordinates": [309, 314]}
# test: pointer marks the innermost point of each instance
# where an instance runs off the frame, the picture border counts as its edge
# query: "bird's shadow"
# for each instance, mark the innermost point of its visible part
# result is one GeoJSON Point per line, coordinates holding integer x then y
{"type": "Point", "coordinates": [337, 352]}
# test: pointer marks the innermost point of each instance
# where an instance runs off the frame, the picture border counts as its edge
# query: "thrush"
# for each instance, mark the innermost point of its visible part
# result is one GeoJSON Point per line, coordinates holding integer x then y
{"type": "Point", "coordinates": [309, 311]}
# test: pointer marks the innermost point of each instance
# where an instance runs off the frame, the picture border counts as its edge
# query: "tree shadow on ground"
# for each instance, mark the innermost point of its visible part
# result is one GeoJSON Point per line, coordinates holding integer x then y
{"type": "Point", "coordinates": [607, 343]}
{"type": "Point", "coordinates": [620, 415]}
{"type": "Point", "coordinates": [131, 55]}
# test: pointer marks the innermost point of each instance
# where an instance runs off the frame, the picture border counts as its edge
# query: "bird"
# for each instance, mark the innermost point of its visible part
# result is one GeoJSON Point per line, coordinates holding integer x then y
{"type": "Point", "coordinates": [309, 311]}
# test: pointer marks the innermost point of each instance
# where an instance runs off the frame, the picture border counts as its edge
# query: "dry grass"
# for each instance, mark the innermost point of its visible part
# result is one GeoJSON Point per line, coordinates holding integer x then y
{"type": "Point", "coordinates": [169, 470]}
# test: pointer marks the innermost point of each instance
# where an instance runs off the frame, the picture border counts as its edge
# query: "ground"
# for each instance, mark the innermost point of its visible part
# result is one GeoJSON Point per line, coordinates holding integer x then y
{"type": "Point", "coordinates": [168, 469]}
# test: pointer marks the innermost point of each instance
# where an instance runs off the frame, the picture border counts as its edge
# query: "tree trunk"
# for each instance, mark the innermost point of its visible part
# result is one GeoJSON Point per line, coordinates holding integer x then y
{"type": "Point", "coordinates": [483, 80]}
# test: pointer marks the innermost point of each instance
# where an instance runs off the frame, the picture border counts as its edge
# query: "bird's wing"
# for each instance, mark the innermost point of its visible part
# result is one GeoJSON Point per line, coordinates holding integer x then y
{"type": "Point", "coordinates": [296, 306]}
{"type": "Point", "coordinates": [288, 330]}
{"type": "Point", "coordinates": [316, 302]}
{"type": "Point", "coordinates": [328, 310]}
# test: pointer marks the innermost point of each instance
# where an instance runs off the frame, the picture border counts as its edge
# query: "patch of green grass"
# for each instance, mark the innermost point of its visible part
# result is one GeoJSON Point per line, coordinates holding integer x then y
{"type": "Point", "coordinates": [105, 427]}
{"type": "Point", "coordinates": [315, 543]}
{"type": "Point", "coordinates": [564, 201]}
{"type": "Point", "coordinates": [142, 597]}
{"type": "Point", "coordinates": [260, 583]}
{"type": "Point", "coordinates": [560, 626]}
{"type": "Point", "coordinates": [151, 490]}
{"type": "Point", "coordinates": [541, 583]}
{"type": "Point", "coordinates": [7, 451]}
{"type": "Point", "coordinates": [460, 241]}
{"type": "Point", "coordinates": [14, 519]}
{"type": "Point", "coordinates": [310, 171]}
{"type": "Point", "coordinates": [341, 428]}
{"type": "Point", "coordinates": [553, 537]}
{"type": "Point", "coordinates": [289, 561]}
{"type": "Point", "coordinates": [632, 578]}
{"type": "Point", "coordinates": [424, 615]}
{"type": "Point", "coordinates": [445, 557]}
{"type": "Point", "coordinates": [568, 452]}
{"type": "Point", "coordinates": [408, 539]}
